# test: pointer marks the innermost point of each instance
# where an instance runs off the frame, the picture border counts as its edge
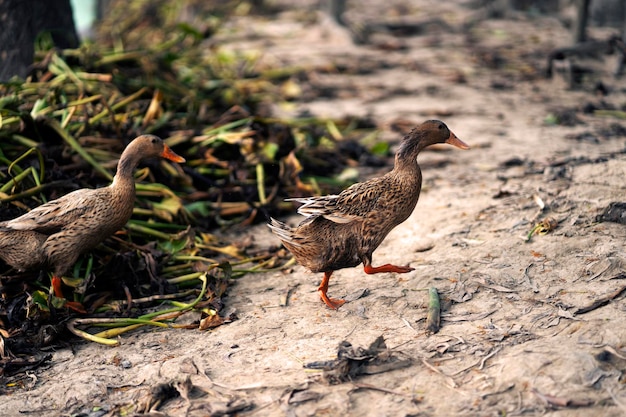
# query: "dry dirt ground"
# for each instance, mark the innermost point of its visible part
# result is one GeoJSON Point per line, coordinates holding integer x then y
{"type": "Point", "coordinates": [515, 337]}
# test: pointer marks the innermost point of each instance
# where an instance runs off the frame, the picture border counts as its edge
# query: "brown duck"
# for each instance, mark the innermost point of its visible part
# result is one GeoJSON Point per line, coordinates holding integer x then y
{"type": "Point", "coordinates": [56, 233]}
{"type": "Point", "coordinates": [342, 231]}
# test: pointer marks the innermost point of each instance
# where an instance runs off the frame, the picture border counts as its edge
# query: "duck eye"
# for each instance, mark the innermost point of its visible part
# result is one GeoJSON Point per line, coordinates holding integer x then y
{"type": "Point", "coordinates": [154, 140]}
{"type": "Point", "coordinates": [440, 127]}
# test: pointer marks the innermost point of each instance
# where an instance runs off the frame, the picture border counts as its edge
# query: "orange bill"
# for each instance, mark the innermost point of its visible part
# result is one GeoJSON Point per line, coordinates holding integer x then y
{"type": "Point", "coordinates": [454, 141]}
{"type": "Point", "coordinates": [168, 153]}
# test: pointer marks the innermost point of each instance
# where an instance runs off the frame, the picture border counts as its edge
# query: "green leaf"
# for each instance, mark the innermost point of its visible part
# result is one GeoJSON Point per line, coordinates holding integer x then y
{"type": "Point", "coordinates": [187, 29]}
{"type": "Point", "coordinates": [269, 151]}
{"type": "Point", "coordinates": [200, 208]}
{"type": "Point", "coordinates": [380, 149]}
{"type": "Point", "coordinates": [40, 299]}
{"type": "Point", "coordinates": [173, 246]}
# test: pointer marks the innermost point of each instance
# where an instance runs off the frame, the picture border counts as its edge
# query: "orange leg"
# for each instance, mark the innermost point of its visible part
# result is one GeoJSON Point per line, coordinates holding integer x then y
{"type": "Point", "coordinates": [73, 305]}
{"type": "Point", "coordinates": [333, 303]}
{"type": "Point", "coordinates": [369, 269]}
{"type": "Point", "coordinates": [56, 286]}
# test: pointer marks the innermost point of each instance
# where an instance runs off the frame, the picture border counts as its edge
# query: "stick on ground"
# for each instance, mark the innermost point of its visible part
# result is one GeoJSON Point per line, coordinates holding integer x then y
{"type": "Point", "coordinates": [434, 311]}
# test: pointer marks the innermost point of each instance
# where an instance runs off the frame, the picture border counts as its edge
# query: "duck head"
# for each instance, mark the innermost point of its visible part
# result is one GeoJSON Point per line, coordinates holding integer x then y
{"type": "Point", "coordinates": [143, 147]}
{"type": "Point", "coordinates": [428, 133]}
{"type": "Point", "coordinates": [151, 146]}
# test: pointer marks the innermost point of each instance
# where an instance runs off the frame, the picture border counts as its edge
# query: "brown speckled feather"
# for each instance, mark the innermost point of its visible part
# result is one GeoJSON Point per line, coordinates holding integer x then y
{"type": "Point", "coordinates": [22, 249]}
{"type": "Point", "coordinates": [57, 232]}
{"type": "Point", "coordinates": [342, 231]}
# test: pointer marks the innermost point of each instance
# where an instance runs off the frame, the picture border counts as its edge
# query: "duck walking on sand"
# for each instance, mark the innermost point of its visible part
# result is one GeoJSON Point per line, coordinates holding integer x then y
{"type": "Point", "coordinates": [342, 231]}
{"type": "Point", "coordinates": [56, 233]}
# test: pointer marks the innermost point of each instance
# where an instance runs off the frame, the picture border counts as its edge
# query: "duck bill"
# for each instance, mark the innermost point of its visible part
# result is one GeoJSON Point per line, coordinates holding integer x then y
{"type": "Point", "coordinates": [454, 141]}
{"type": "Point", "coordinates": [168, 153]}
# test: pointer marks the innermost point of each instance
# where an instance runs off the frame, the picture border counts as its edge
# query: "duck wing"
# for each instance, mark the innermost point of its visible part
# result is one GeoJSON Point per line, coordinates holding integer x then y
{"type": "Point", "coordinates": [323, 206]}
{"type": "Point", "coordinates": [352, 204]}
{"type": "Point", "coordinates": [53, 216]}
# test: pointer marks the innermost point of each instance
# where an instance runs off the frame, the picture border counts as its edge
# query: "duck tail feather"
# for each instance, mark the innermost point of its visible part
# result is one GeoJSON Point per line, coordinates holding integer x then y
{"type": "Point", "coordinates": [282, 231]}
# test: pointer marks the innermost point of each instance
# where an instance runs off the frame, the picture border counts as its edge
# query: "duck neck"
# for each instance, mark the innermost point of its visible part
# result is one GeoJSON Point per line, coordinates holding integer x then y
{"type": "Point", "coordinates": [406, 157]}
{"type": "Point", "coordinates": [408, 164]}
{"type": "Point", "coordinates": [124, 179]}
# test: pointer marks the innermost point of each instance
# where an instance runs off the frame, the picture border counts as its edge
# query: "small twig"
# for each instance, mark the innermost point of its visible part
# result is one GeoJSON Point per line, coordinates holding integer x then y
{"type": "Point", "coordinates": [482, 362]}
{"type": "Point", "coordinates": [157, 297]}
{"type": "Point", "coordinates": [351, 331]}
{"type": "Point", "coordinates": [375, 388]}
{"type": "Point", "coordinates": [284, 297]}
{"type": "Point", "coordinates": [437, 371]}
{"type": "Point", "coordinates": [129, 299]}
{"type": "Point", "coordinates": [532, 284]}
{"type": "Point", "coordinates": [408, 324]}
{"type": "Point", "coordinates": [431, 367]}
{"type": "Point", "coordinates": [470, 316]}
{"type": "Point", "coordinates": [502, 391]}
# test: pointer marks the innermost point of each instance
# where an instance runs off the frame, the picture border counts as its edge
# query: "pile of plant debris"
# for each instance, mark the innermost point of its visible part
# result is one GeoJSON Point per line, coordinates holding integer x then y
{"type": "Point", "coordinates": [64, 127]}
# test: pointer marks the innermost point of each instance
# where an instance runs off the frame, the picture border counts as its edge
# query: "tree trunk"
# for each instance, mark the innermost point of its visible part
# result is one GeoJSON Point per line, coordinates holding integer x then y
{"type": "Point", "coordinates": [20, 23]}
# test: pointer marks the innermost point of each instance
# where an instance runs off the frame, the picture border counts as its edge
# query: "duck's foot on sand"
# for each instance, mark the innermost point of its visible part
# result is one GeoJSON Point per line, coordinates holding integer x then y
{"type": "Point", "coordinates": [333, 303]}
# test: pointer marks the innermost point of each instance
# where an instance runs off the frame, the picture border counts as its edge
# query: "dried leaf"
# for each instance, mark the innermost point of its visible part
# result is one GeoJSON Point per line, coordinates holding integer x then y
{"type": "Point", "coordinates": [211, 321]}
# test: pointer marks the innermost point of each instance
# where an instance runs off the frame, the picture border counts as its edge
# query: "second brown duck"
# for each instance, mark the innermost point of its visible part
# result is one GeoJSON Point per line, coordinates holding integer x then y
{"type": "Point", "coordinates": [56, 233]}
{"type": "Point", "coordinates": [342, 231]}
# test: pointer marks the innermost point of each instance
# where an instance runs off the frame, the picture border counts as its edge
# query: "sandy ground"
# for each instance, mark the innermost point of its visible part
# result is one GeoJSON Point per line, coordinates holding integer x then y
{"type": "Point", "coordinates": [513, 339]}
